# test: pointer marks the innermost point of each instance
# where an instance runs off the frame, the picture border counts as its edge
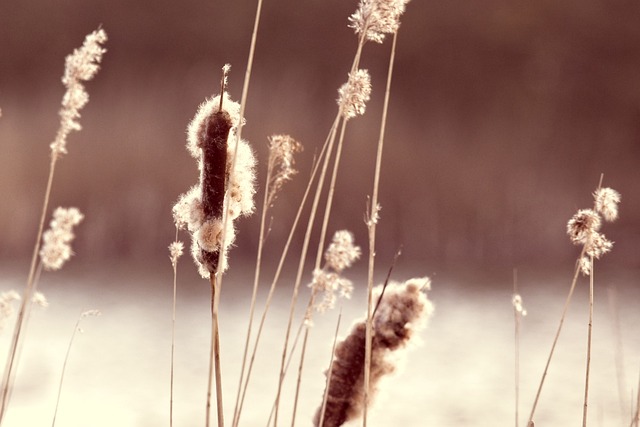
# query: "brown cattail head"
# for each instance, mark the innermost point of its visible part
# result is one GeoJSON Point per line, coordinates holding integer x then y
{"type": "Point", "coordinates": [403, 310]}
{"type": "Point", "coordinates": [212, 141]}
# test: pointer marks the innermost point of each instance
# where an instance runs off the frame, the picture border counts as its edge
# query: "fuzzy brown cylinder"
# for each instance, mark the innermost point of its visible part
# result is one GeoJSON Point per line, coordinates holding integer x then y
{"type": "Point", "coordinates": [213, 142]}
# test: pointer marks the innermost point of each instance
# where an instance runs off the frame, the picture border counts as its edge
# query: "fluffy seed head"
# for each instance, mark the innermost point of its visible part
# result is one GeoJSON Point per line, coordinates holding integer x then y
{"type": "Point", "coordinates": [354, 95]}
{"type": "Point", "coordinates": [82, 65]}
{"type": "Point", "coordinates": [281, 163]}
{"type": "Point", "coordinates": [403, 311]}
{"type": "Point", "coordinates": [175, 252]}
{"type": "Point", "coordinates": [584, 223]}
{"type": "Point", "coordinates": [56, 248]}
{"type": "Point", "coordinates": [342, 252]}
{"type": "Point", "coordinates": [606, 203]}
{"type": "Point", "coordinates": [376, 18]}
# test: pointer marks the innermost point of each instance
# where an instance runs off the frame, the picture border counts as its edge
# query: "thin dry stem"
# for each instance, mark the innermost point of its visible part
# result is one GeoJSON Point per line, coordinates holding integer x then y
{"type": "Point", "coordinates": [7, 378]}
{"type": "Point", "coordinates": [555, 340]}
{"type": "Point", "coordinates": [256, 280]}
{"type": "Point", "coordinates": [619, 352]}
{"type": "Point", "coordinates": [328, 383]}
{"type": "Point", "coordinates": [589, 337]}
{"type": "Point", "coordinates": [371, 225]}
{"type": "Point", "coordinates": [516, 315]}
{"type": "Point", "coordinates": [303, 256]}
{"type": "Point", "coordinates": [278, 272]}
{"type": "Point", "coordinates": [173, 333]}
{"type": "Point", "coordinates": [214, 356]}
{"type": "Point", "coordinates": [66, 360]}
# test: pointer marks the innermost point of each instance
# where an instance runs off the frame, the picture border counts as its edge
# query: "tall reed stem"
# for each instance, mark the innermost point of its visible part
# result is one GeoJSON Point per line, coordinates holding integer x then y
{"type": "Point", "coordinates": [26, 298]}
{"type": "Point", "coordinates": [555, 339]}
{"type": "Point", "coordinates": [280, 266]}
{"type": "Point", "coordinates": [371, 225]}
{"type": "Point", "coordinates": [214, 356]}
{"type": "Point", "coordinates": [589, 335]}
{"type": "Point", "coordinates": [516, 314]}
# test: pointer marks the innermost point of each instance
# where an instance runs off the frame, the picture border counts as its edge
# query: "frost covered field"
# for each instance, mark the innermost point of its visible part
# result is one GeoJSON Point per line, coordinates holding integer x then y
{"type": "Point", "coordinates": [462, 373]}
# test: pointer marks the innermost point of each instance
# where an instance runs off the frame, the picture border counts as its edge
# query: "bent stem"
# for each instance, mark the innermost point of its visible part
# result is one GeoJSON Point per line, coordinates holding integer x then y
{"type": "Point", "coordinates": [555, 340]}
{"type": "Point", "coordinates": [7, 378]}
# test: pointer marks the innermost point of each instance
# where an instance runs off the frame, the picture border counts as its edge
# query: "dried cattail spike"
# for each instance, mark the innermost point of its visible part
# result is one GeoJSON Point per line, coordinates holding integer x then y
{"type": "Point", "coordinates": [403, 310]}
{"type": "Point", "coordinates": [212, 141]}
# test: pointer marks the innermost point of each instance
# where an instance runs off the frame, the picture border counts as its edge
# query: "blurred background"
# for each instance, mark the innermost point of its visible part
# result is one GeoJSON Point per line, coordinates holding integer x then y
{"type": "Point", "coordinates": [503, 116]}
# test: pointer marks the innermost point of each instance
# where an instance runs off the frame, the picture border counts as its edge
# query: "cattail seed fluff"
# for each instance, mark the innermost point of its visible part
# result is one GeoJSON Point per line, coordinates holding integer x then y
{"type": "Point", "coordinates": [212, 142]}
{"type": "Point", "coordinates": [403, 310]}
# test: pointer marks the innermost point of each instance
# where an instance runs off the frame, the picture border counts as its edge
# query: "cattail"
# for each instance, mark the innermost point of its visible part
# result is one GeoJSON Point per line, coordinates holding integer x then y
{"type": "Point", "coordinates": [402, 311]}
{"type": "Point", "coordinates": [375, 18]}
{"type": "Point", "coordinates": [212, 141]}
{"type": "Point", "coordinates": [81, 66]}
{"type": "Point", "coordinates": [354, 94]}
{"type": "Point", "coordinates": [56, 248]}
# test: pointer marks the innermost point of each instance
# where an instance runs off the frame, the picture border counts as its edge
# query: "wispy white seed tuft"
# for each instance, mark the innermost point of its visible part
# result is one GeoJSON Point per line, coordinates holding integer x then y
{"type": "Point", "coordinates": [606, 203]}
{"type": "Point", "coordinates": [328, 280]}
{"type": "Point", "coordinates": [376, 18]}
{"type": "Point", "coordinates": [6, 306]}
{"type": "Point", "coordinates": [281, 163]}
{"type": "Point", "coordinates": [341, 252]}
{"type": "Point", "coordinates": [82, 65]}
{"type": "Point", "coordinates": [56, 248]}
{"type": "Point", "coordinates": [175, 252]}
{"type": "Point", "coordinates": [354, 95]}
{"type": "Point", "coordinates": [584, 223]}
{"type": "Point", "coordinates": [39, 299]}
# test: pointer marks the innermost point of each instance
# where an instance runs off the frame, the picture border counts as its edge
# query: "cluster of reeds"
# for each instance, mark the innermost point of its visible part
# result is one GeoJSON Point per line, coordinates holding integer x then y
{"type": "Point", "coordinates": [394, 311]}
{"type": "Point", "coordinates": [52, 248]}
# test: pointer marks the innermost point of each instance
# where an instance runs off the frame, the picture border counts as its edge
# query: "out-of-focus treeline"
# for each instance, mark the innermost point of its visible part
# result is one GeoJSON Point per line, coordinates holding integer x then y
{"type": "Point", "coordinates": [503, 115]}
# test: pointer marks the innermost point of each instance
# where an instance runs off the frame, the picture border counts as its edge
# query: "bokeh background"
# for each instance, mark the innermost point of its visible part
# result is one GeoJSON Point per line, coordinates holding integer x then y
{"type": "Point", "coordinates": [503, 117]}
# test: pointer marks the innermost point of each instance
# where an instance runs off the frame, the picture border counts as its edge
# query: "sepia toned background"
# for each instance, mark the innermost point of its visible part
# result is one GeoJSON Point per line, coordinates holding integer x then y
{"type": "Point", "coordinates": [503, 116]}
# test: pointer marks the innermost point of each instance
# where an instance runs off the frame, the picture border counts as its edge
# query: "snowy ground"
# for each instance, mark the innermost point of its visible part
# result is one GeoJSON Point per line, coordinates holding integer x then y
{"type": "Point", "coordinates": [460, 375]}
